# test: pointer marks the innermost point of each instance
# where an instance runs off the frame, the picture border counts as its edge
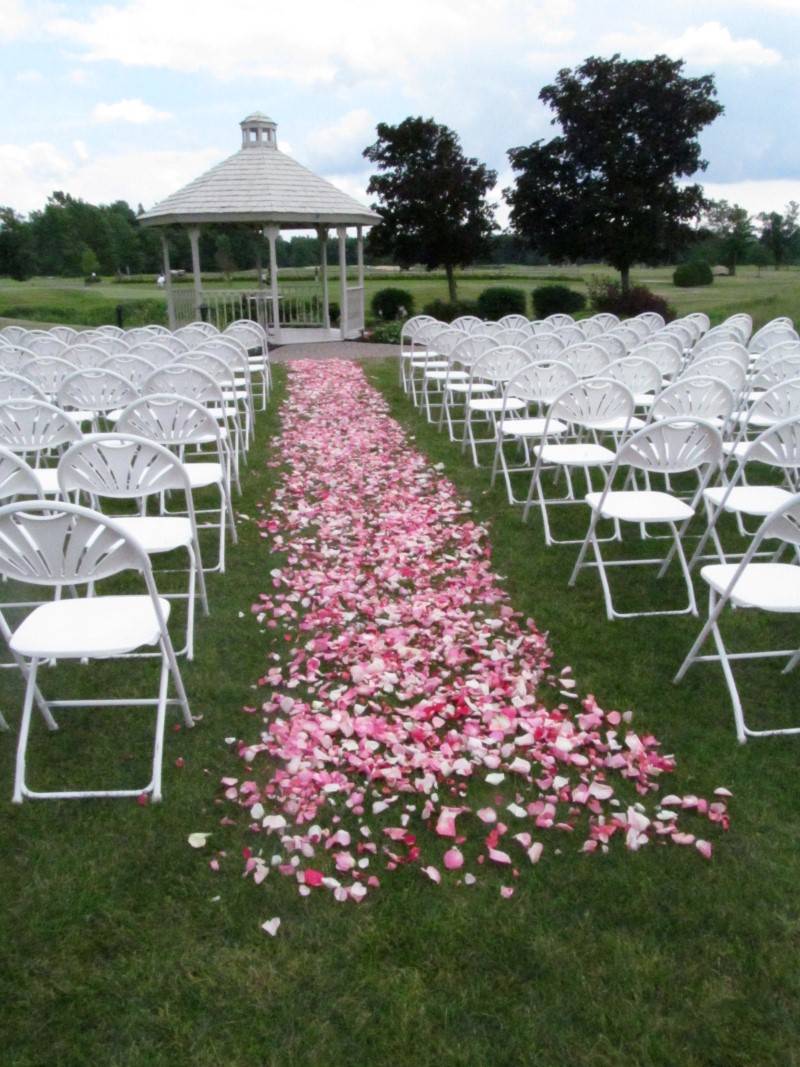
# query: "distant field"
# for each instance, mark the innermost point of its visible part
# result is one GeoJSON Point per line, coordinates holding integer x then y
{"type": "Point", "coordinates": [764, 295]}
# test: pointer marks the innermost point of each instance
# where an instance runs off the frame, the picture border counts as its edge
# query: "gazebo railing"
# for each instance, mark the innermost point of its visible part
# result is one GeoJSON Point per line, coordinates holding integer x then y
{"type": "Point", "coordinates": [298, 306]}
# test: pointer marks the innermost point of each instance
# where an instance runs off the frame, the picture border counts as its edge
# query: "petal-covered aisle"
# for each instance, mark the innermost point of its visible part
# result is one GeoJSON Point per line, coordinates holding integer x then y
{"type": "Point", "coordinates": [415, 717]}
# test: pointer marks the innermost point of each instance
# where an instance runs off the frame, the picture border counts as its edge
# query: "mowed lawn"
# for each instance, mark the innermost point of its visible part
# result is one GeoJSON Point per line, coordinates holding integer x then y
{"type": "Point", "coordinates": [765, 294]}
{"type": "Point", "coordinates": [122, 947]}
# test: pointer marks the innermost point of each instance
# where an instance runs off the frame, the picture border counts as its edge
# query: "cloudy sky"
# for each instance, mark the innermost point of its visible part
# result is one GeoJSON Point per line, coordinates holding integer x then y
{"type": "Point", "coordinates": [130, 99]}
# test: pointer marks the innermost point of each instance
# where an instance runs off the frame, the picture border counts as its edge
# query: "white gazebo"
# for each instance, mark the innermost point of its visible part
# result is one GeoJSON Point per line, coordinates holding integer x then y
{"type": "Point", "coordinates": [262, 185]}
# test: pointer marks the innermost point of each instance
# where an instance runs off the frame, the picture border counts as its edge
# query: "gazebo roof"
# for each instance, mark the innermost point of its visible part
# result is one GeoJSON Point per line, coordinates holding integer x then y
{"type": "Point", "coordinates": [260, 184]}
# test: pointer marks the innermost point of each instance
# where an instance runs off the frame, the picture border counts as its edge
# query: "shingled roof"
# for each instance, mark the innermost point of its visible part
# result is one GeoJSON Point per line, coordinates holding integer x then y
{"type": "Point", "coordinates": [260, 184]}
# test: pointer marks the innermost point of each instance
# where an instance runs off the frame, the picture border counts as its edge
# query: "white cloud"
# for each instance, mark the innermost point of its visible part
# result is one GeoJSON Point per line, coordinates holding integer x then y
{"type": "Point", "coordinates": [710, 45]}
{"type": "Point", "coordinates": [81, 151]}
{"type": "Point", "coordinates": [351, 43]}
{"type": "Point", "coordinates": [135, 111]}
{"type": "Point", "coordinates": [341, 140]}
{"type": "Point", "coordinates": [15, 19]}
{"type": "Point", "coordinates": [30, 173]}
{"type": "Point", "coordinates": [29, 77]}
{"type": "Point", "coordinates": [769, 194]}
{"type": "Point", "coordinates": [79, 76]}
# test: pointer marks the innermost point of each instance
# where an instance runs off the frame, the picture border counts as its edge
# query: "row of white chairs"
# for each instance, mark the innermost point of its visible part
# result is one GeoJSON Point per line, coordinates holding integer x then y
{"type": "Point", "coordinates": [638, 426]}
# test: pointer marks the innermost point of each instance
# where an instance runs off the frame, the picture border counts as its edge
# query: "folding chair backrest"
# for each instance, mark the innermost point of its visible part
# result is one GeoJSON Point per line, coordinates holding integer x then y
{"type": "Point", "coordinates": [16, 477]}
{"type": "Point", "coordinates": [778, 351]}
{"type": "Point", "coordinates": [590, 328]}
{"type": "Point", "coordinates": [57, 544]}
{"type": "Point", "coordinates": [83, 354]}
{"type": "Point", "coordinates": [471, 347]}
{"type": "Point", "coordinates": [516, 336]}
{"type": "Point", "coordinates": [13, 358]}
{"type": "Point", "coordinates": [783, 524]}
{"type": "Point", "coordinates": [570, 335]}
{"type": "Point", "coordinates": [191, 335]}
{"type": "Point", "coordinates": [725, 370]}
{"type": "Point", "coordinates": [630, 338]}
{"type": "Point", "coordinates": [108, 343]}
{"type": "Point", "coordinates": [181, 379]}
{"type": "Point", "coordinates": [13, 385]}
{"type": "Point", "coordinates": [249, 334]}
{"type": "Point", "coordinates": [48, 372]}
{"type": "Point", "coordinates": [442, 342]}
{"type": "Point", "coordinates": [559, 320]}
{"type": "Point", "coordinates": [132, 367]}
{"type": "Point", "coordinates": [614, 346]}
{"type": "Point", "coordinates": [121, 466]}
{"type": "Point", "coordinates": [45, 344]}
{"type": "Point", "coordinates": [724, 349]}
{"type": "Point", "coordinates": [653, 320]}
{"type": "Point", "coordinates": [170, 420]}
{"type": "Point", "coordinates": [541, 382]}
{"type": "Point", "coordinates": [639, 326]}
{"type": "Point", "coordinates": [700, 318]}
{"type": "Point", "coordinates": [544, 345]}
{"type": "Point", "coordinates": [743, 322]}
{"type": "Point", "coordinates": [777, 446]}
{"type": "Point", "coordinates": [593, 402]}
{"type": "Point", "coordinates": [780, 401]}
{"type": "Point", "coordinates": [640, 375]}
{"type": "Point", "coordinates": [95, 389]}
{"type": "Point", "coordinates": [139, 334]}
{"type": "Point", "coordinates": [671, 446]}
{"type": "Point", "coordinates": [587, 359]}
{"type": "Point", "coordinates": [215, 366]}
{"type": "Point", "coordinates": [500, 363]}
{"type": "Point", "coordinates": [159, 353]}
{"type": "Point", "coordinates": [684, 333]}
{"type": "Point", "coordinates": [33, 425]}
{"type": "Point", "coordinates": [514, 322]}
{"type": "Point", "coordinates": [607, 320]}
{"type": "Point", "coordinates": [770, 335]}
{"type": "Point", "coordinates": [15, 335]}
{"type": "Point", "coordinates": [662, 353]}
{"type": "Point", "coordinates": [701, 396]}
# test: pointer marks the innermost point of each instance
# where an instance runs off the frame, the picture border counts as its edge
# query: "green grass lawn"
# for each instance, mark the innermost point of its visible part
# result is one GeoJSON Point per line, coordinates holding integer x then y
{"type": "Point", "coordinates": [121, 947]}
{"type": "Point", "coordinates": [763, 294]}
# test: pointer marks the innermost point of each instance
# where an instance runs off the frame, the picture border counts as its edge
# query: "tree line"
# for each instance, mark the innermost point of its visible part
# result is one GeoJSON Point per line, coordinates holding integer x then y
{"type": "Point", "coordinates": [611, 186]}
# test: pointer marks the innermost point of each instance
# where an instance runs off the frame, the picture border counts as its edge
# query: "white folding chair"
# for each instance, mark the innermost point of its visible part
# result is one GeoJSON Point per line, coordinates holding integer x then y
{"type": "Point", "coordinates": [94, 394]}
{"type": "Point", "coordinates": [48, 372]}
{"type": "Point", "coordinates": [587, 359]}
{"type": "Point", "coordinates": [83, 354]}
{"type": "Point", "coordinates": [776, 448]}
{"type": "Point", "coordinates": [37, 431]}
{"type": "Point", "coordinates": [670, 447]}
{"type": "Point", "coordinates": [590, 407]}
{"type": "Point", "coordinates": [537, 385]}
{"type": "Point", "coordinates": [120, 466]}
{"type": "Point", "coordinates": [67, 545]}
{"type": "Point", "coordinates": [459, 390]}
{"type": "Point", "coordinates": [493, 368]}
{"type": "Point", "coordinates": [132, 367]}
{"type": "Point", "coordinates": [183, 424]}
{"type": "Point", "coordinates": [768, 587]}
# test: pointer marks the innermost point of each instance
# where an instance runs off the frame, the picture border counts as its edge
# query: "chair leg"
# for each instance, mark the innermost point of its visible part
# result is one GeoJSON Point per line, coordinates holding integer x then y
{"type": "Point", "coordinates": [169, 654]}
{"type": "Point", "coordinates": [158, 740]}
{"type": "Point", "coordinates": [730, 681]}
{"type": "Point", "coordinates": [24, 731]}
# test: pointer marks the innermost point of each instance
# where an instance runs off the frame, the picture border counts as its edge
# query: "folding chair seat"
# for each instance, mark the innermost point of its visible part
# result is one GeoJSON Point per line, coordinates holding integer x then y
{"type": "Point", "coordinates": [768, 587]}
{"type": "Point", "coordinates": [672, 446]}
{"type": "Point", "coordinates": [68, 545]}
{"type": "Point", "coordinates": [122, 466]}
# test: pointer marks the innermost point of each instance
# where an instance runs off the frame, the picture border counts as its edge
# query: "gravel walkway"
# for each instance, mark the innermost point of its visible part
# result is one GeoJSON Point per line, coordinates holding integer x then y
{"type": "Point", "coordinates": [332, 350]}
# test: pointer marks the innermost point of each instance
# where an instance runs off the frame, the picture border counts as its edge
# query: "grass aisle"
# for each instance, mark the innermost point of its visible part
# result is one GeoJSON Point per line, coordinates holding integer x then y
{"type": "Point", "coordinates": [122, 946]}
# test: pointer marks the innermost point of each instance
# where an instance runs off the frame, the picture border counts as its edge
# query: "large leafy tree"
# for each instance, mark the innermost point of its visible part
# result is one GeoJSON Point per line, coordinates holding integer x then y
{"type": "Point", "coordinates": [607, 186]}
{"type": "Point", "coordinates": [780, 234]}
{"type": "Point", "coordinates": [431, 197]}
{"type": "Point", "coordinates": [732, 227]}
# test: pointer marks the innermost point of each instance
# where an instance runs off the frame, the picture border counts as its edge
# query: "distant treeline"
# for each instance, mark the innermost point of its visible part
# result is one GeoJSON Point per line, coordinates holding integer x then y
{"type": "Point", "coordinates": [70, 237]}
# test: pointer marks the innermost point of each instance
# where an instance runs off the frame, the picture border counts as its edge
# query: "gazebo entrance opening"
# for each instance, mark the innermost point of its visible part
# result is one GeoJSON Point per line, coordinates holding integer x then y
{"type": "Point", "coordinates": [263, 185]}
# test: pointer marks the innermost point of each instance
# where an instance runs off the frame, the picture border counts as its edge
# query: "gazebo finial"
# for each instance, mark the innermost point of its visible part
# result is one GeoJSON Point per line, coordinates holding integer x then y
{"type": "Point", "coordinates": [259, 131]}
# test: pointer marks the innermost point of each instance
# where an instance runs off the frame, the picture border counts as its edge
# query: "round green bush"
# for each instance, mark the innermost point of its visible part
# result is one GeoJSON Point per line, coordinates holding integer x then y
{"type": "Point", "coordinates": [387, 303]}
{"type": "Point", "coordinates": [688, 275]}
{"type": "Point", "coordinates": [387, 333]}
{"type": "Point", "coordinates": [444, 311]}
{"type": "Point", "coordinates": [556, 300]}
{"type": "Point", "coordinates": [500, 300]}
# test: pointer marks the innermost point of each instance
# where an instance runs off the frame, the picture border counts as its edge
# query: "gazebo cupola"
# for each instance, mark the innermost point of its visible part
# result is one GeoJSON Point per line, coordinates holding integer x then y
{"type": "Point", "coordinates": [259, 131]}
{"type": "Point", "coordinates": [262, 186]}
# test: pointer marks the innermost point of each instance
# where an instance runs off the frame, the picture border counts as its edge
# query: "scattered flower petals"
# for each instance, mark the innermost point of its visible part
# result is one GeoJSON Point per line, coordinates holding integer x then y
{"type": "Point", "coordinates": [271, 926]}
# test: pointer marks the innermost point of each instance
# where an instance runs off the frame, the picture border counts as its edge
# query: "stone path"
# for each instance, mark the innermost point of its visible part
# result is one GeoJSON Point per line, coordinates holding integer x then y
{"type": "Point", "coordinates": [332, 350]}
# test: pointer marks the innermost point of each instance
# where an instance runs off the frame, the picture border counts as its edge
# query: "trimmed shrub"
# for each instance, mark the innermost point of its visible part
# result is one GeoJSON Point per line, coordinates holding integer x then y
{"type": "Point", "coordinates": [500, 300]}
{"type": "Point", "coordinates": [556, 300]}
{"type": "Point", "coordinates": [696, 272]}
{"type": "Point", "coordinates": [334, 312]}
{"type": "Point", "coordinates": [386, 304]}
{"type": "Point", "coordinates": [446, 312]}
{"type": "Point", "coordinates": [387, 333]}
{"type": "Point", "coordinates": [608, 296]}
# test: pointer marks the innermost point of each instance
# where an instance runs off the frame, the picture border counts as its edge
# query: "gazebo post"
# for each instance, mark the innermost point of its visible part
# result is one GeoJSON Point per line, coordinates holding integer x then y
{"type": "Point", "coordinates": [194, 241]}
{"type": "Point", "coordinates": [360, 261]}
{"type": "Point", "coordinates": [342, 232]}
{"type": "Point", "coordinates": [271, 232]}
{"type": "Point", "coordinates": [168, 281]}
{"type": "Point", "coordinates": [322, 233]}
